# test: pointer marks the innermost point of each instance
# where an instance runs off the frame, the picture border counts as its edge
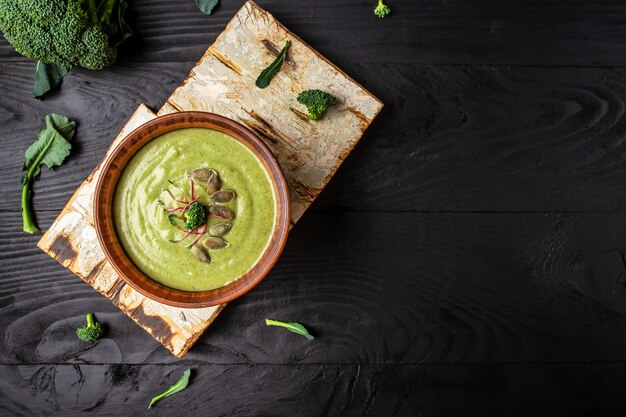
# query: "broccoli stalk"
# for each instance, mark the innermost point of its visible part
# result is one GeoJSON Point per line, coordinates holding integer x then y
{"type": "Point", "coordinates": [316, 102]}
{"type": "Point", "coordinates": [92, 332]}
{"type": "Point", "coordinates": [381, 9]}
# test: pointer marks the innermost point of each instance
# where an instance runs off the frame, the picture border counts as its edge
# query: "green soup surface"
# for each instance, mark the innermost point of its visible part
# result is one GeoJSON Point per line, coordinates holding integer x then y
{"type": "Point", "coordinates": [145, 231]}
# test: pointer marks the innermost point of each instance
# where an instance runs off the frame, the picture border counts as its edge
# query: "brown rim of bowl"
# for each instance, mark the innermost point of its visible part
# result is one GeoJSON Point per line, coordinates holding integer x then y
{"type": "Point", "coordinates": [105, 228]}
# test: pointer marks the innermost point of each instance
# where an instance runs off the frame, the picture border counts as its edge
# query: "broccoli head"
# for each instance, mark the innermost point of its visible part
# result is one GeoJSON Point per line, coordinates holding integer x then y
{"type": "Point", "coordinates": [92, 331]}
{"type": "Point", "coordinates": [381, 9]}
{"type": "Point", "coordinates": [195, 216]}
{"type": "Point", "coordinates": [68, 33]}
{"type": "Point", "coordinates": [316, 102]}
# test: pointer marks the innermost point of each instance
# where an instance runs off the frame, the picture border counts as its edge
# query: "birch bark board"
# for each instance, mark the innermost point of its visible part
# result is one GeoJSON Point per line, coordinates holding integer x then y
{"type": "Point", "coordinates": [223, 82]}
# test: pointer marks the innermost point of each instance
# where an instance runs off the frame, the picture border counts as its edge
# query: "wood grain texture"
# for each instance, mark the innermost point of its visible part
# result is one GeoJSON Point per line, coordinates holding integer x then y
{"type": "Point", "coordinates": [373, 288]}
{"type": "Point", "coordinates": [450, 139]}
{"type": "Point", "coordinates": [223, 83]}
{"type": "Point", "coordinates": [556, 390]}
{"type": "Point", "coordinates": [554, 32]}
{"type": "Point", "coordinates": [525, 137]}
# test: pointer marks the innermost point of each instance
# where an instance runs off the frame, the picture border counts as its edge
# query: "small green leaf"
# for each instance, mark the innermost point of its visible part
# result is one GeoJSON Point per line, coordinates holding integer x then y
{"type": "Point", "coordinates": [47, 76]}
{"type": "Point", "coordinates": [52, 145]}
{"type": "Point", "coordinates": [51, 148]}
{"type": "Point", "coordinates": [104, 10]}
{"type": "Point", "coordinates": [291, 326]}
{"type": "Point", "coordinates": [124, 31]}
{"type": "Point", "coordinates": [206, 6]}
{"type": "Point", "coordinates": [266, 75]}
{"type": "Point", "coordinates": [178, 386]}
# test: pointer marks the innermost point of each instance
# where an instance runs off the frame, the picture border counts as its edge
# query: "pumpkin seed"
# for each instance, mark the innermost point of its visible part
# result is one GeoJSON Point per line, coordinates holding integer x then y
{"type": "Point", "coordinates": [200, 174]}
{"type": "Point", "coordinates": [200, 254]}
{"type": "Point", "coordinates": [219, 229]}
{"type": "Point", "coordinates": [223, 196]}
{"type": "Point", "coordinates": [213, 183]}
{"type": "Point", "coordinates": [215, 243]}
{"type": "Point", "coordinates": [221, 212]}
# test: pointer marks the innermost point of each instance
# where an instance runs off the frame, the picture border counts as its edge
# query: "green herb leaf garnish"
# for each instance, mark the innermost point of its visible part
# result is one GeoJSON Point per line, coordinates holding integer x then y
{"type": "Point", "coordinates": [178, 386]}
{"type": "Point", "coordinates": [206, 6]}
{"type": "Point", "coordinates": [47, 76]}
{"type": "Point", "coordinates": [266, 75]}
{"type": "Point", "coordinates": [51, 148]}
{"type": "Point", "coordinates": [291, 326]}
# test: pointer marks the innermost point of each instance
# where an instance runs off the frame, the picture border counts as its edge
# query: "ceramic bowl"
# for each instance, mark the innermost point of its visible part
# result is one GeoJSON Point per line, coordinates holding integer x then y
{"type": "Point", "coordinates": [107, 234]}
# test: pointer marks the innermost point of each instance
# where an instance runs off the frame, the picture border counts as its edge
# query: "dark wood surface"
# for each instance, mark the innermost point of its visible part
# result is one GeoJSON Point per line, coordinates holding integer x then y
{"type": "Point", "coordinates": [468, 259]}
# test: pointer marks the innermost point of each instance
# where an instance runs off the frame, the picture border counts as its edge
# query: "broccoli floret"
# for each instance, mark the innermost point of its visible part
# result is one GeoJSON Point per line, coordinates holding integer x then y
{"type": "Point", "coordinates": [92, 332]}
{"type": "Point", "coordinates": [59, 32]}
{"type": "Point", "coordinates": [316, 102]}
{"type": "Point", "coordinates": [195, 216]}
{"type": "Point", "coordinates": [381, 10]}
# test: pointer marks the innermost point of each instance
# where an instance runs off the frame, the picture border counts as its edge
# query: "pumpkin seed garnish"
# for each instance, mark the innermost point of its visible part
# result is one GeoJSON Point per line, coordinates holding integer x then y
{"type": "Point", "coordinates": [223, 196]}
{"type": "Point", "coordinates": [200, 174]}
{"type": "Point", "coordinates": [200, 254]}
{"type": "Point", "coordinates": [221, 212]}
{"type": "Point", "coordinates": [219, 229]}
{"type": "Point", "coordinates": [215, 243]}
{"type": "Point", "coordinates": [213, 182]}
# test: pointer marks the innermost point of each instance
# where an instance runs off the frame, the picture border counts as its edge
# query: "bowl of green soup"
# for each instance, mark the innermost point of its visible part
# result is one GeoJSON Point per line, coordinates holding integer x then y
{"type": "Point", "coordinates": [192, 209]}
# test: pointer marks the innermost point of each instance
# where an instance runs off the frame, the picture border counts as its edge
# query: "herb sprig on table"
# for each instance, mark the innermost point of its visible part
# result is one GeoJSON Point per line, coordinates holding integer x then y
{"type": "Point", "coordinates": [51, 148]}
{"type": "Point", "coordinates": [291, 326]}
{"type": "Point", "coordinates": [206, 6]}
{"type": "Point", "coordinates": [178, 386]}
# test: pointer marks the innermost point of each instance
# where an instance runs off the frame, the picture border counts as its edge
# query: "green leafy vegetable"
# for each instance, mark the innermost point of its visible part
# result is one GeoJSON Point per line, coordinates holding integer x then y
{"type": "Point", "coordinates": [92, 331]}
{"type": "Point", "coordinates": [51, 148]}
{"type": "Point", "coordinates": [266, 75]}
{"type": "Point", "coordinates": [178, 386]}
{"type": "Point", "coordinates": [67, 33]}
{"type": "Point", "coordinates": [381, 9]}
{"type": "Point", "coordinates": [206, 6]}
{"type": "Point", "coordinates": [291, 326]}
{"type": "Point", "coordinates": [316, 102]}
{"type": "Point", "coordinates": [47, 76]}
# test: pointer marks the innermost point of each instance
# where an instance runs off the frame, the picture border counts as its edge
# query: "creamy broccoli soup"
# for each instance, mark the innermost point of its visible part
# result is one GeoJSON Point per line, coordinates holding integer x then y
{"type": "Point", "coordinates": [194, 209]}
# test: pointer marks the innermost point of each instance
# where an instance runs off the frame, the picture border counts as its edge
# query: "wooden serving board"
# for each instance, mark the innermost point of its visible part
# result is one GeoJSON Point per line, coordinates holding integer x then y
{"type": "Point", "coordinates": [222, 82]}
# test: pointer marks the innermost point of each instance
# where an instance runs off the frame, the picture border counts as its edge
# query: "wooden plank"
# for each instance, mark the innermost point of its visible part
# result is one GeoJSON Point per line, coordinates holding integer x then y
{"type": "Point", "coordinates": [223, 82]}
{"type": "Point", "coordinates": [558, 32]}
{"type": "Point", "coordinates": [452, 138]}
{"type": "Point", "coordinates": [373, 288]}
{"type": "Point", "coordinates": [567, 390]}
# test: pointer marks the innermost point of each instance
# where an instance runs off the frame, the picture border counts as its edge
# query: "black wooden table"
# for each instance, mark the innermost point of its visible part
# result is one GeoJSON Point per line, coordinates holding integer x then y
{"type": "Point", "coordinates": [468, 259]}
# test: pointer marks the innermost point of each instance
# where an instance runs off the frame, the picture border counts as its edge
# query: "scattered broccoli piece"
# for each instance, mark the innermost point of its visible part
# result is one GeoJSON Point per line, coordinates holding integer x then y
{"type": "Point", "coordinates": [92, 332]}
{"type": "Point", "coordinates": [381, 9]}
{"type": "Point", "coordinates": [65, 33]}
{"type": "Point", "coordinates": [56, 31]}
{"type": "Point", "coordinates": [316, 102]}
{"type": "Point", "coordinates": [195, 216]}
